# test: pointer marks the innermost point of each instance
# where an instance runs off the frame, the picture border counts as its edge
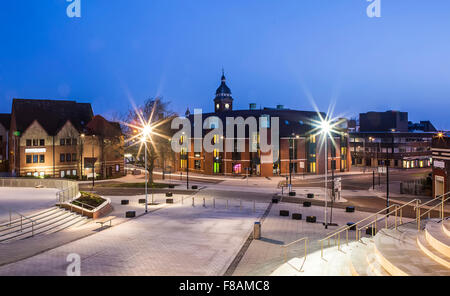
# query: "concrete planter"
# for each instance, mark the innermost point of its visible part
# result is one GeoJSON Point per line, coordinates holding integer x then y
{"type": "Point", "coordinates": [142, 201]}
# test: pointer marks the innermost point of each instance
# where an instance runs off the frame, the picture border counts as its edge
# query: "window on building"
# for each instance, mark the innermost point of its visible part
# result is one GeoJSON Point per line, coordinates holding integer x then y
{"type": "Point", "coordinates": [63, 174]}
{"type": "Point", "coordinates": [28, 158]}
{"type": "Point", "coordinates": [68, 157]}
{"type": "Point", "coordinates": [74, 157]}
{"type": "Point", "coordinates": [41, 142]}
{"type": "Point", "coordinates": [312, 139]}
{"type": "Point", "coordinates": [42, 158]}
{"type": "Point", "coordinates": [74, 172]}
{"type": "Point", "coordinates": [68, 142]}
{"type": "Point", "coordinates": [237, 168]}
{"type": "Point", "coordinates": [35, 158]}
{"type": "Point", "coordinates": [35, 142]}
{"type": "Point", "coordinates": [28, 143]}
{"type": "Point", "coordinates": [197, 164]}
{"type": "Point", "coordinates": [312, 167]}
{"type": "Point", "coordinates": [62, 157]}
{"type": "Point", "coordinates": [74, 142]}
{"type": "Point", "coordinates": [117, 168]}
{"type": "Point", "coordinates": [62, 142]}
{"type": "Point", "coordinates": [216, 168]}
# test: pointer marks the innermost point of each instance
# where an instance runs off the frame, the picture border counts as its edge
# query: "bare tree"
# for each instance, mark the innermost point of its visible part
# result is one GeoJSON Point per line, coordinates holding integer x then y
{"type": "Point", "coordinates": [156, 112]}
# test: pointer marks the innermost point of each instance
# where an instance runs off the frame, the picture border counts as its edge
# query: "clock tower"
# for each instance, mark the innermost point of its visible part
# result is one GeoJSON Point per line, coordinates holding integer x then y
{"type": "Point", "coordinates": [223, 101]}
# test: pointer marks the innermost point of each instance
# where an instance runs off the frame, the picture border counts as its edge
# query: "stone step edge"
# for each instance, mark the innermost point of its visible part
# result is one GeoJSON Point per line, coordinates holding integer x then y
{"type": "Point", "coordinates": [430, 251]}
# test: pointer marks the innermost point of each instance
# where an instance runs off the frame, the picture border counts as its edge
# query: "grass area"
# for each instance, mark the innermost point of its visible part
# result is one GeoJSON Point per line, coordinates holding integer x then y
{"type": "Point", "coordinates": [91, 199]}
{"type": "Point", "coordinates": [136, 185]}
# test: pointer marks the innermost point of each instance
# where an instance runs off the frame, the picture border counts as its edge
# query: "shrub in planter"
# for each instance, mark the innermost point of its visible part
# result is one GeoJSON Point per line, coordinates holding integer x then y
{"type": "Point", "coordinates": [284, 213]}
{"type": "Point", "coordinates": [195, 187]}
{"type": "Point", "coordinates": [307, 204]}
{"type": "Point", "coordinates": [142, 201]}
{"type": "Point", "coordinates": [275, 200]}
{"type": "Point", "coordinates": [292, 193]}
{"type": "Point", "coordinates": [310, 195]}
{"type": "Point", "coordinates": [296, 216]}
{"type": "Point", "coordinates": [171, 186]}
{"type": "Point", "coordinates": [125, 202]}
{"type": "Point", "coordinates": [350, 209]}
{"type": "Point", "coordinates": [311, 219]}
{"type": "Point", "coordinates": [351, 225]}
{"type": "Point", "coordinates": [130, 214]}
{"type": "Point", "coordinates": [169, 194]}
{"type": "Point", "coordinates": [169, 201]}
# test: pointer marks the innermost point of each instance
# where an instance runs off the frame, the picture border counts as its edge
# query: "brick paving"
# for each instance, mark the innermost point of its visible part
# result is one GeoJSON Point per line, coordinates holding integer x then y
{"type": "Point", "coordinates": [175, 240]}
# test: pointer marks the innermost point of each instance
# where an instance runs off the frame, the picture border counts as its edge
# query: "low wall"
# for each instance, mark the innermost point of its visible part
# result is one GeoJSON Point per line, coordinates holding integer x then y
{"type": "Point", "coordinates": [68, 189]}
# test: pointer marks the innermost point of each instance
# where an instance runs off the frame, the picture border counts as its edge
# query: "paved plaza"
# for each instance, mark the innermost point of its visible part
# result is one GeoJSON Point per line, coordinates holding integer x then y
{"type": "Point", "coordinates": [175, 240]}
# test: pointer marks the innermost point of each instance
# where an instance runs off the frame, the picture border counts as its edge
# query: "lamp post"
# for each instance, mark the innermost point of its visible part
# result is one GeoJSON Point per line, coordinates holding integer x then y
{"type": "Point", "coordinates": [81, 154]}
{"type": "Point", "coordinates": [325, 128]}
{"type": "Point", "coordinates": [146, 176]}
{"type": "Point", "coordinates": [93, 164]}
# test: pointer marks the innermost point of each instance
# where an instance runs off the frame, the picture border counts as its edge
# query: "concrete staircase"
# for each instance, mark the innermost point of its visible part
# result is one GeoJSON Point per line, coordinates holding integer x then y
{"type": "Point", "coordinates": [404, 252]}
{"type": "Point", "coordinates": [46, 222]}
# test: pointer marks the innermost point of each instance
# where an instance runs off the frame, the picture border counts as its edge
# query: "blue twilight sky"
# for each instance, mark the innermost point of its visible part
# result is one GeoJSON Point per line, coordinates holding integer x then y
{"type": "Point", "coordinates": [273, 51]}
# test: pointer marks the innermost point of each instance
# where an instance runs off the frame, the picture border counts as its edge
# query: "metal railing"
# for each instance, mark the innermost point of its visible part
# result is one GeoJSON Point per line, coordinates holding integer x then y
{"type": "Point", "coordinates": [441, 210]}
{"type": "Point", "coordinates": [285, 248]}
{"type": "Point", "coordinates": [393, 209]}
{"type": "Point", "coordinates": [22, 217]}
{"type": "Point", "coordinates": [398, 217]}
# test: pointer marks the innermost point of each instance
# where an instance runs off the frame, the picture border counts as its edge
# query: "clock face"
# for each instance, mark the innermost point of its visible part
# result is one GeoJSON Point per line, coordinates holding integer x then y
{"type": "Point", "coordinates": [217, 106]}
{"type": "Point", "coordinates": [227, 106]}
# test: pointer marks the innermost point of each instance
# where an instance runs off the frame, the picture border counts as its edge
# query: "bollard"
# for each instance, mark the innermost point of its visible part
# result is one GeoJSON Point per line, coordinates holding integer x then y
{"type": "Point", "coordinates": [193, 202]}
{"type": "Point", "coordinates": [227, 204]}
{"type": "Point", "coordinates": [214, 202]}
{"type": "Point", "coordinates": [240, 205]}
{"type": "Point", "coordinates": [204, 203]}
{"type": "Point", "coordinates": [257, 230]}
{"type": "Point", "coordinates": [254, 206]}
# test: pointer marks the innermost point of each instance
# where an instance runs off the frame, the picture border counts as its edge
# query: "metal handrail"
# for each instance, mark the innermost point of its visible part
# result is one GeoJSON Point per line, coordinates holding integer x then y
{"type": "Point", "coordinates": [440, 204]}
{"type": "Point", "coordinates": [21, 221]}
{"type": "Point", "coordinates": [306, 240]}
{"type": "Point", "coordinates": [348, 227]}
{"type": "Point", "coordinates": [435, 199]}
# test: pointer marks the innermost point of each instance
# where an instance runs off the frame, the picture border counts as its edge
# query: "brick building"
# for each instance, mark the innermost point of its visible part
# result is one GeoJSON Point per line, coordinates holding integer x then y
{"type": "Point", "coordinates": [299, 149]}
{"type": "Point", "coordinates": [441, 165]}
{"type": "Point", "coordinates": [48, 138]}
{"type": "Point", "coordinates": [5, 120]}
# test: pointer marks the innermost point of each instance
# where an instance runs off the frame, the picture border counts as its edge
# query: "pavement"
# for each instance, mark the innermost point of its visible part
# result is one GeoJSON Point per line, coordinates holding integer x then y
{"type": "Point", "coordinates": [175, 240]}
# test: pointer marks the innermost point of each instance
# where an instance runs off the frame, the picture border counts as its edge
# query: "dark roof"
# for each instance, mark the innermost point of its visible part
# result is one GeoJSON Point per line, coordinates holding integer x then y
{"type": "Point", "coordinates": [100, 126]}
{"type": "Point", "coordinates": [52, 115]}
{"type": "Point", "coordinates": [223, 92]}
{"type": "Point", "coordinates": [291, 121]}
{"type": "Point", "coordinates": [5, 120]}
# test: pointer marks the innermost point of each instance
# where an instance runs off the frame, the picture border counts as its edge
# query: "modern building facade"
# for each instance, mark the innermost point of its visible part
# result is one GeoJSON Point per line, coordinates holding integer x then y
{"type": "Point", "coordinates": [441, 165]}
{"type": "Point", "coordinates": [300, 151]}
{"type": "Point", "coordinates": [387, 138]}
{"type": "Point", "coordinates": [50, 138]}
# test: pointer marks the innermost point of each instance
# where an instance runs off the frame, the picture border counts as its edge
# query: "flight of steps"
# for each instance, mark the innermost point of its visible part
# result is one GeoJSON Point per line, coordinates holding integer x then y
{"type": "Point", "coordinates": [404, 251]}
{"type": "Point", "coordinates": [46, 222]}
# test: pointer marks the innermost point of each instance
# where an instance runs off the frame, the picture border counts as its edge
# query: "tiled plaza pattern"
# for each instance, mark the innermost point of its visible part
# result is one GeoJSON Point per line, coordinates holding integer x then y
{"type": "Point", "coordinates": [175, 240]}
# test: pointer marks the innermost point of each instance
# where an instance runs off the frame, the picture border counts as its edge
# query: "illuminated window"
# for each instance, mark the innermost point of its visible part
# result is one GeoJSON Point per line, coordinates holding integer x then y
{"type": "Point", "coordinates": [216, 153]}
{"type": "Point", "coordinates": [312, 139]}
{"type": "Point", "coordinates": [227, 106]}
{"type": "Point", "coordinates": [312, 167]}
{"type": "Point", "coordinates": [216, 167]}
{"type": "Point", "coordinates": [237, 169]}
